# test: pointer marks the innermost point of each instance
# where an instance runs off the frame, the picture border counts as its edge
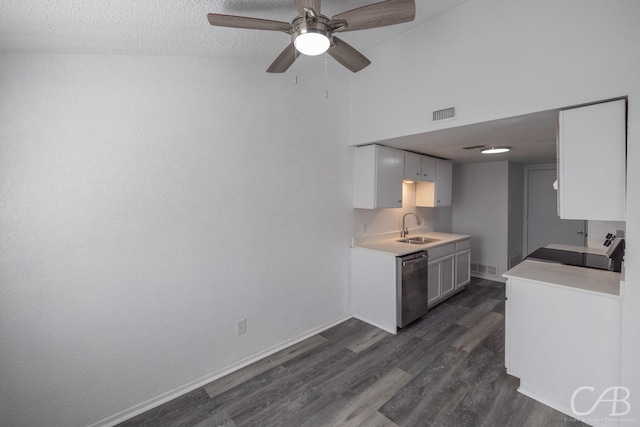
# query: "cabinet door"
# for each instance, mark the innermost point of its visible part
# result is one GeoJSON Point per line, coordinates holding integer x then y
{"type": "Point", "coordinates": [463, 268]}
{"type": "Point", "coordinates": [428, 169]}
{"type": "Point", "coordinates": [378, 173]}
{"type": "Point", "coordinates": [412, 166]}
{"type": "Point", "coordinates": [444, 177]}
{"type": "Point", "coordinates": [447, 273]}
{"type": "Point", "coordinates": [591, 162]}
{"type": "Point", "coordinates": [390, 170]}
{"type": "Point", "coordinates": [434, 292]}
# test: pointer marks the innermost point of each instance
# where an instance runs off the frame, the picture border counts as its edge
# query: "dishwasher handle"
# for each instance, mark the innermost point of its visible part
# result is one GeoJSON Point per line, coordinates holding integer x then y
{"type": "Point", "coordinates": [415, 260]}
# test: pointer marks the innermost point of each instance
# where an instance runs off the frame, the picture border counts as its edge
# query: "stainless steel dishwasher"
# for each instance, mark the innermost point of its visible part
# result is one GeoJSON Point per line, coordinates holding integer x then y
{"type": "Point", "coordinates": [411, 285]}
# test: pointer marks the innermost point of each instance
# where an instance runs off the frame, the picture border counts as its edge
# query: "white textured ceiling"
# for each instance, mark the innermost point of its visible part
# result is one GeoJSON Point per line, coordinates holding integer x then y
{"type": "Point", "coordinates": [180, 28]}
{"type": "Point", "coordinates": [146, 27]}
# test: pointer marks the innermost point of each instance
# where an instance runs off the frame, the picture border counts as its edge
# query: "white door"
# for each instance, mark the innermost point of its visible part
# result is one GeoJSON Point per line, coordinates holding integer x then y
{"type": "Point", "coordinates": [543, 225]}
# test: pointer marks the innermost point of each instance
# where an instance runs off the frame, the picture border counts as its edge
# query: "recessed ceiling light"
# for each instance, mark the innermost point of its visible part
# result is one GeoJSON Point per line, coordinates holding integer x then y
{"type": "Point", "coordinates": [495, 150]}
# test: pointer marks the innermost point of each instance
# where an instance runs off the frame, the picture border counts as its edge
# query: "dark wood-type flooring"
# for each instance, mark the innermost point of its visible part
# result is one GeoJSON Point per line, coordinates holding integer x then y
{"type": "Point", "coordinates": [446, 369]}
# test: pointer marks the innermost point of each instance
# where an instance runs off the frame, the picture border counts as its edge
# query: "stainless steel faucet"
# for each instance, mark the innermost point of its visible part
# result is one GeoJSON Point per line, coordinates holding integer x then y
{"type": "Point", "coordinates": [405, 231]}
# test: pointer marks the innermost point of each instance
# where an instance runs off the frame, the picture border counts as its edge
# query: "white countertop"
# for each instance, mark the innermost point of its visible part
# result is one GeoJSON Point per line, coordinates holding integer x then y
{"type": "Point", "coordinates": [602, 250]}
{"type": "Point", "coordinates": [579, 278]}
{"type": "Point", "coordinates": [387, 242]}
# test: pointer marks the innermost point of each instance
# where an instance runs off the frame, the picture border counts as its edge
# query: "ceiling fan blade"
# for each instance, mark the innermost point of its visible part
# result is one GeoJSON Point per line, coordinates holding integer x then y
{"type": "Point", "coordinates": [249, 23]}
{"type": "Point", "coordinates": [308, 4]}
{"type": "Point", "coordinates": [376, 15]}
{"type": "Point", "coordinates": [284, 60]}
{"type": "Point", "coordinates": [347, 55]}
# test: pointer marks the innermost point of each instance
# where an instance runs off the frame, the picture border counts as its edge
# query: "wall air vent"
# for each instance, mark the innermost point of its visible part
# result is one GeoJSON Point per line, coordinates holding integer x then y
{"type": "Point", "coordinates": [473, 147]}
{"type": "Point", "coordinates": [445, 113]}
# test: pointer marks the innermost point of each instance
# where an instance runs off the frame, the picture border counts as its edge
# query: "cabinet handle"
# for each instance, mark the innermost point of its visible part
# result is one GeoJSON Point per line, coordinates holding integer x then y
{"type": "Point", "coordinates": [413, 261]}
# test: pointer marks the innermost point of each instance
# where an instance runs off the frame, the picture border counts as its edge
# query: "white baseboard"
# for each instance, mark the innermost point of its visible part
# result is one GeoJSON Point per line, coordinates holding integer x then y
{"type": "Point", "coordinates": [384, 328]}
{"type": "Point", "coordinates": [531, 392]}
{"type": "Point", "coordinates": [536, 394]}
{"type": "Point", "coordinates": [487, 277]}
{"type": "Point", "coordinates": [177, 392]}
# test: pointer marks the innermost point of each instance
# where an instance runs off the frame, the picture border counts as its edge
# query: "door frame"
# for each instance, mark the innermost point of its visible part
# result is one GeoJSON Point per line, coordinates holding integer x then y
{"type": "Point", "coordinates": [525, 219]}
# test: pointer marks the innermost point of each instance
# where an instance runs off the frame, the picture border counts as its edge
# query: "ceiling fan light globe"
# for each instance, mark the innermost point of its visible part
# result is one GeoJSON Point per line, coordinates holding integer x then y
{"type": "Point", "coordinates": [312, 43]}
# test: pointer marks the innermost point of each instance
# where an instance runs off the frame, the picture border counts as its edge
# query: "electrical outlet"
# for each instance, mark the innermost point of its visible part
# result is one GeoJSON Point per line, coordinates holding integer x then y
{"type": "Point", "coordinates": [242, 326]}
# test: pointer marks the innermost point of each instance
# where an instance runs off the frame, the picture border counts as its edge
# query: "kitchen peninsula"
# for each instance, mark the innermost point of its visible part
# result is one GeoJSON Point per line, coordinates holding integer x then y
{"type": "Point", "coordinates": [374, 294]}
{"type": "Point", "coordinates": [562, 330]}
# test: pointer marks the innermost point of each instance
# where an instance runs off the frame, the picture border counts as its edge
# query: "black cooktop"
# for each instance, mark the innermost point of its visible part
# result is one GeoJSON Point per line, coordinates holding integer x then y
{"type": "Point", "coordinates": [601, 262]}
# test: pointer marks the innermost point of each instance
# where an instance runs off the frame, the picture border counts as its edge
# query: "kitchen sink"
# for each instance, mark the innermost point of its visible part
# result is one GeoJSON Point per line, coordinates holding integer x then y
{"type": "Point", "coordinates": [418, 240]}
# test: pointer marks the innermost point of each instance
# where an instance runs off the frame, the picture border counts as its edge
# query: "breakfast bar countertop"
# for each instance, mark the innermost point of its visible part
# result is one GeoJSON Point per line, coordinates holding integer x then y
{"type": "Point", "coordinates": [578, 278]}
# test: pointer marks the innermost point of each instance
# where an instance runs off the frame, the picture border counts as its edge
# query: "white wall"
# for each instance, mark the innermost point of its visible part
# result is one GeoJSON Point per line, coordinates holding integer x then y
{"type": "Point", "coordinates": [147, 204]}
{"type": "Point", "coordinates": [501, 58]}
{"type": "Point", "coordinates": [493, 59]}
{"type": "Point", "coordinates": [598, 230]}
{"type": "Point", "coordinates": [131, 195]}
{"type": "Point", "coordinates": [481, 200]}
{"type": "Point", "coordinates": [515, 214]}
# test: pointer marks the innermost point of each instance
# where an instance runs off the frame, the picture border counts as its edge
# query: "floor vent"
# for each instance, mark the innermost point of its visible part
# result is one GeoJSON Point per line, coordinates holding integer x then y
{"type": "Point", "coordinates": [489, 270]}
{"type": "Point", "coordinates": [445, 113]}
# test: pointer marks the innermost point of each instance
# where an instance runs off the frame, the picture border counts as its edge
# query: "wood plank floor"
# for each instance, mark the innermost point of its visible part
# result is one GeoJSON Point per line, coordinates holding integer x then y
{"type": "Point", "coordinates": [446, 369]}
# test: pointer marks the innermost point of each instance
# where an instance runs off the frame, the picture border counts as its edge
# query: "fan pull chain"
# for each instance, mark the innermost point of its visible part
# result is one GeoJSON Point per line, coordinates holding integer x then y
{"type": "Point", "coordinates": [326, 76]}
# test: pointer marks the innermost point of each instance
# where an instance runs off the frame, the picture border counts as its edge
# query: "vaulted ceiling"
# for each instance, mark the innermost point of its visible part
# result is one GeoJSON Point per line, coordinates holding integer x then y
{"type": "Point", "coordinates": [146, 27]}
{"type": "Point", "coordinates": [159, 28]}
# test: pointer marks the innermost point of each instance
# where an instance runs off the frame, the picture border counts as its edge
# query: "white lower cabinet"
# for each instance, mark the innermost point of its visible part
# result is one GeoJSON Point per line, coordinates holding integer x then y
{"type": "Point", "coordinates": [441, 273]}
{"type": "Point", "coordinates": [373, 288]}
{"type": "Point", "coordinates": [449, 270]}
{"type": "Point", "coordinates": [463, 263]}
{"type": "Point", "coordinates": [373, 281]}
{"type": "Point", "coordinates": [558, 341]}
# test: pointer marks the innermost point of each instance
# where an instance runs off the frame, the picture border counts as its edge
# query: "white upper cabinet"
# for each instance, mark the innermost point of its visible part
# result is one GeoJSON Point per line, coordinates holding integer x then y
{"type": "Point", "coordinates": [437, 193]}
{"type": "Point", "coordinates": [592, 162]}
{"type": "Point", "coordinates": [419, 168]}
{"type": "Point", "coordinates": [378, 177]}
{"type": "Point", "coordinates": [444, 179]}
{"type": "Point", "coordinates": [412, 166]}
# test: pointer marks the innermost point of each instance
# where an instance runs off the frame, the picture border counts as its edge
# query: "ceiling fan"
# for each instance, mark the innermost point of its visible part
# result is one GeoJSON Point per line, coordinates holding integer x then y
{"type": "Point", "coordinates": [313, 33]}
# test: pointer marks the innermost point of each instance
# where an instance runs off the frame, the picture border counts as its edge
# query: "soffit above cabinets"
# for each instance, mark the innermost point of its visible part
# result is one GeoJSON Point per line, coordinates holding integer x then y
{"type": "Point", "coordinates": [532, 138]}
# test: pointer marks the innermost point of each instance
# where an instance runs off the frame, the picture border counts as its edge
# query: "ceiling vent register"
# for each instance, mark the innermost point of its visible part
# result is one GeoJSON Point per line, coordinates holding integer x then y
{"type": "Point", "coordinates": [445, 113]}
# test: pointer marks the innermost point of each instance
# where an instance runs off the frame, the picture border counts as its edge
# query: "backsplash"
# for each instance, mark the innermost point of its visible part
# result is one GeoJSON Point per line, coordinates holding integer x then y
{"type": "Point", "coordinates": [379, 221]}
{"type": "Point", "coordinates": [597, 230]}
